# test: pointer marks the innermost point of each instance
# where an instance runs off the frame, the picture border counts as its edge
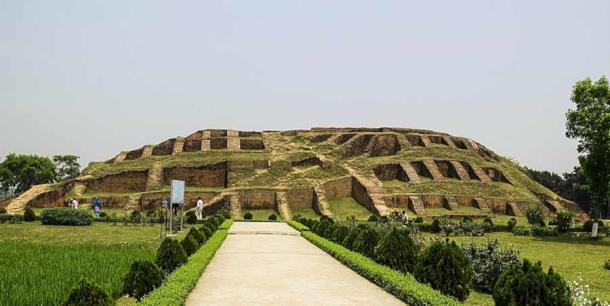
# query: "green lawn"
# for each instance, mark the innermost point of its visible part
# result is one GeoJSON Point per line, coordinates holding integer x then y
{"type": "Point", "coordinates": [348, 207]}
{"type": "Point", "coordinates": [571, 257]}
{"type": "Point", "coordinates": [40, 264]}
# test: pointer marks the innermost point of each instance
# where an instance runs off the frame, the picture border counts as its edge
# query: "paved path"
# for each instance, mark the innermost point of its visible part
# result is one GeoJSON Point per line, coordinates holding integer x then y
{"type": "Point", "coordinates": [263, 263]}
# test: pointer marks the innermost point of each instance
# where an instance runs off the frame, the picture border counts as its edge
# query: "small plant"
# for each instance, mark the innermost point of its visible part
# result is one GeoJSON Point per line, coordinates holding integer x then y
{"type": "Point", "coordinates": [224, 213]}
{"type": "Point", "coordinates": [142, 278]}
{"type": "Point", "coordinates": [198, 235]}
{"type": "Point", "coordinates": [366, 241]}
{"type": "Point", "coordinates": [190, 245]}
{"type": "Point", "coordinates": [340, 233]}
{"type": "Point", "coordinates": [467, 219]}
{"type": "Point", "coordinates": [65, 216]}
{"type": "Point", "coordinates": [535, 215]}
{"type": "Point", "coordinates": [170, 255]}
{"type": "Point", "coordinates": [135, 216]}
{"type": "Point", "coordinates": [527, 284]}
{"type": "Point", "coordinates": [512, 222]}
{"type": "Point", "coordinates": [564, 220]}
{"type": "Point", "coordinates": [488, 262]}
{"type": "Point", "coordinates": [248, 216]}
{"type": "Point", "coordinates": [446, 268]}
{"type": "Point", "coordinates": [206, 230]}
{"type": "Point", "coordinates": [607, 264]}
{"type": "Point", "coordinates": [521, 231]}
{"type": "Point", "coordinates": [588, 225]}
{"type": "Point", "coordinates": [581, 295]}
{"type": "Point", "coordinates": [272, 217]}
{"type": "Point", "coordinates": [546, 231]}
{"type": "Point", "coordinates": [2, 210]}
{"type": "Point", "coordinates": [436, 226]}
{"type": "Point", "coordinates": [190, 217]}
{"type": "Point", "coordinates": [397, 251]}
{"type": "Point", "coordinates": [88, 293]}
{"type": "Point", "coordinates": [29, 215]}
{"type": "Point", "coordinates": [418, 220]}
{"type": "Point", "coordinates": [348, 242]}
{"type": "Point", "coordinates": [373, 218]}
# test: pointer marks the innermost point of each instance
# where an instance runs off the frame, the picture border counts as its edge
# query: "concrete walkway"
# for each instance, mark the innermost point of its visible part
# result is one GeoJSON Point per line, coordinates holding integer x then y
{"type": "Point", "coordinates": [263, 263]}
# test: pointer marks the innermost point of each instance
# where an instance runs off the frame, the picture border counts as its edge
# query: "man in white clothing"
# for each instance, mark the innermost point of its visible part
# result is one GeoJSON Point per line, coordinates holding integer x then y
{"type": "Point", "coordinates": [74, 204]}
{"type": "Point", "coordinates": [199, 209]}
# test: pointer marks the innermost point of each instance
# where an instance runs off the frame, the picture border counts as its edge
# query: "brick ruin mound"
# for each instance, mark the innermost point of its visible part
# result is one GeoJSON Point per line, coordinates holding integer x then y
{"type": "Point", "coordinates": [382, 169]}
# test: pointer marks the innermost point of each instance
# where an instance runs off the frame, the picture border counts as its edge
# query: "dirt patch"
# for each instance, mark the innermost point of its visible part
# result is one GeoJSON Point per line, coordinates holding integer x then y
{"type": "Point", "coordinates": [164, 148]}
{"type": "Point", "coordinates": [251, 144]}
{"type": "Point", "coordinates": [388, 172]}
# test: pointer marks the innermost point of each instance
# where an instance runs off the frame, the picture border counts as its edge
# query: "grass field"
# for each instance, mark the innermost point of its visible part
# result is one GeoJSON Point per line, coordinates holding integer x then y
{"type": "Point", "coordinates": [40, 264]}
{"type": "Point", "coordinates": [570, 257]}
{"type": "Point", "coordinates": [347, 207]}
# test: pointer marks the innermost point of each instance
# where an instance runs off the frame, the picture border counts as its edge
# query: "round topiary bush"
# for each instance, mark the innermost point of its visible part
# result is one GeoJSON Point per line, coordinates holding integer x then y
{"type": "Point", "coordinates": [190, 245]}
{"type": "Point", "coordinates": [366, 242]}
{"type": "Point", "coordinates": [272, 217]}
{"type": "Point", "coordinates": [563, 220]}
{"type": "Point", "coordinates": [527, 284]}
{"type": "Point", "coordinates": [65, 216]}
{"type": "Point", "coordinates": [535, 215]}
{"type": "Point", "coordinates": [436, 226]}
{"type": "Point", "coordinates": [88, 293]}
{"type": "Point", "coordinates": [512, 222]}
{"type": "Point", "coordinates": [29, 215]}
{"type": "Point", "coordinates": [418, 220]}
{"type": "Point", "coordinates": [373, 218]}
{"type": "Point", "coordinates": [607, 264]}
{"type": "Point", "coordinates": [190, 217]}
{"type": "Point", "coordinates": [248, 216]}
{"type": "Point", "coordinates": [170, 255]}
{"type": "Point", "coordinates": [446, 268]}
{"type": "Point", "coordinates": [143, 277]}
{"type": "Point", "coordinates": [397, 250]}
{"type": "Point", "coordinates": [207, 230]}
{"type": "Point", "coordinates": [198, 235]}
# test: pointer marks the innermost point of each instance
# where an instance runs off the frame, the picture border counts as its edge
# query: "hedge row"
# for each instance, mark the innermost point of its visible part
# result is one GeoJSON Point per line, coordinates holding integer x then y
{"type": "Point", "coordinates": [65, 216]}
{"type": "Point", "coordinates": [404, 286]}
{"type": "Point", "coordinates": [179, 284]}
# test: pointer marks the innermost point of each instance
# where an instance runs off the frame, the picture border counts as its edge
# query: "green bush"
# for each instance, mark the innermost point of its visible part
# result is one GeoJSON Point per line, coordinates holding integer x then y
{"type": "Point", "coordinates": [397, 250]}
{"type": "Point", "coordinates": [548, 231]}
{"type": "Point", "coordinates": [418, 220]}
{"type": "Point", "coordinates": [348, 242]}
{"type": "Point", "coordinates": [206, 229]}
{"type": "Point", "coordinates": [535, 215]}
{"type": "Point", "coordinates": [65, 216]}
{"type": "Point", "coordinates": [298, 226]}
{"type": "Point", "coordinates": [29, 215]}
{"type": "Point", "coordinates": [436, 226]}
{"type": "Point", "coordinates": [527, 284]}
{"type": "Point", "coordinates": [135, 216]}
{"type": "Point", "coordinates": [190, 217]}
{"type": "Point", "coordinates": [189, 244]}
{"type": "Point", "coordinates": [170, 255]}
{"type": "Point", "coordinates": [511, 224]}
{"type": "Point", "coordinates": [521, 231]}
{"type": "Point", "coordinates": [88, 293]}
{"type": "Point", "coordinates": [402, 286]}
{"type": "Point", "coordinates": [488, 262]}
{"type": "Point", "coordinates": [143, 277]}
{"type": "Point", "coordinates": [248, 216]}
{"type": "Point", "coordinates": [366, 242]}
{"type": "Point", "coordinates": [446, 268]}
{"type": "Point", "coordinates": [607, 264]}
{"type": "Point", "coordinates": [272, 217]}
{"type": "Point", "coordinates": [373, 218]}
{"type": "Point", "coordinates": [224, 213]}
{"type": "Point", "coordinates": [564, 220]}
{"type": "Point", "coordinates": [340, 233]}
{"type": "Point", "coordinates": [588, 225]}
{"type": "Point", "coordinates": [179, 284]}
{"type": "Point", "coordinates": [2, 210]}
{"type": "Point", "coordinates": [197, 234]}
{"type": "Point", "coordinates": [11, 218]}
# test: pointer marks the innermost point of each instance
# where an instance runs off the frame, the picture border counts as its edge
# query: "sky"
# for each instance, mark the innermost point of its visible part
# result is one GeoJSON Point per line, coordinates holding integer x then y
{"type": "Point", "coordinates": [93, 78]}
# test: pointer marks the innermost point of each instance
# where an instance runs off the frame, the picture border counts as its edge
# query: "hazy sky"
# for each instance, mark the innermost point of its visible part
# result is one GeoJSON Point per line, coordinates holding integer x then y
{"type": "Point", "coordinates": [93, 78]}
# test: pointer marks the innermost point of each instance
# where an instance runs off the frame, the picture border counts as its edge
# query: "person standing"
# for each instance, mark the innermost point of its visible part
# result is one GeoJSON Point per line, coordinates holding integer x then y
{"type": "Point", "coordinates": [74, 204]}
{"type": "Point", "coordinates": [199, 209]}
{"type": "Point", "coordinates": [97, 205]}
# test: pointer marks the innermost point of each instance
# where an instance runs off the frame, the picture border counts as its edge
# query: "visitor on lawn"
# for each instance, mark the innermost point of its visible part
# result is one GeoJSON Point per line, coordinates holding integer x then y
{"type": "Point", "coordinates": [97, 206]}
{"type": "Point", "coordinates": [199, 209]}
{"type": "Point", "coordinates": [74, 204]}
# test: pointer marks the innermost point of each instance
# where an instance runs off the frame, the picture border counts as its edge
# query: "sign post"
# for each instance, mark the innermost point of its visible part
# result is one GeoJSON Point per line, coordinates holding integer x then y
{"type": "Point", "coordinates": [176, 198]}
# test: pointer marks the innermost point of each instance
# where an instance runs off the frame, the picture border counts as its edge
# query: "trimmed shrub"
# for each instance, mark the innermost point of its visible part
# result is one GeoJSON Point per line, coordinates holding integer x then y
{"type": "Point", "coordinates": [224, 213]}
{"type": "Point", "coordinates": [488, 262]}
{"type": "Point", "coordinates": [366, 242]}
{"type": "Point", "coordinates": [564, 220]}
{"type": "Point", "coordinates": [521, 231]}
{"type": "Point", "coordinates": [65, 216]}
{"type": "Point", "coordinates": [527, 284]}
{"type": "Point", "coordinates": [190, 217]}
{"type": "Point", "coordinates": [248, 216]}
{"type": "Point", "coordinates": [2, 210]}
{"type": "Point", "coordinates": [143, 277]}
{"type": "Point", "coordinates": [272, 217]}
{"type": "Point", "coordinates": [189, 244]}
{"type": "Point", "coordinates": [418, 220]}
{"type": "Point", "coordinates": [29, 215]}
{"type": "Point", "coordinates": [535, 215]}
{"type": "Point", "coordinates": [340, 233]}
{"type": "Point", "coordinates": [547, 231]}
{"type": "Point", "coordinates": [436, 226]}
{"type": "Point", "coordinates": [607, 264]}
{"type": "Point", "coordinates": [446, 268]}
{"type": "Point", "coordinates": [135, 216]}
{"type": "Point", "coordinates": [207, 230]}
{"type": "Point", "coordinates": [348, 242]}
{"type": "Point", "coordinates": [88, 293]}
{"type": "Point", "coordinates": [373, 218]}
{"type": "Point", "coordinates": [10, 218]}
{"type": "Point", "coordinates": [170, 255]}
{"type": "Point", "coordinates": [397, 251]}
{"type": "Point", "coordinates": [512, 222]}
{"type": "Point", "coordinates": [198, 235]}
{"type": "Point", "coordinates": [467, 219]}
{"type": "Point", "coordinates": [588, 225]}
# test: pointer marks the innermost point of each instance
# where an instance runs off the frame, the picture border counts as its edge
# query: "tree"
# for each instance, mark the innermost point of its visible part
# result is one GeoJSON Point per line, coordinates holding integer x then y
{"type": "Point", "coordinates": [589, 123]}
{"type": "Point", "coordinates": [19, 172]}
{"type": "Point", "coordinates": [67, 166]}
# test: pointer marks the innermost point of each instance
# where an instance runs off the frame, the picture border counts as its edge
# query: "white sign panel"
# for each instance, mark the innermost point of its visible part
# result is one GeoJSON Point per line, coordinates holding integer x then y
{"type": "Point", "coordinates": [177, 192]}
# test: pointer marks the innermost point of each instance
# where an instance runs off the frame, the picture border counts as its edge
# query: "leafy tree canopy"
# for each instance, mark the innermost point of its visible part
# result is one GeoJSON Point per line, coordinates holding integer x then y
{"type": "Point", "coordinates": [19, 172]}
{"type": "Point", "coordinates": [67, 166]}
